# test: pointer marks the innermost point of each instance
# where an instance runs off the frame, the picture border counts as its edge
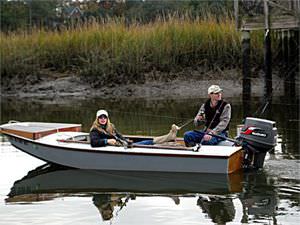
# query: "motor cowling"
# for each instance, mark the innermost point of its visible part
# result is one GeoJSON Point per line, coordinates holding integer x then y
{"type": "Point", "coordinates": [257, 136]}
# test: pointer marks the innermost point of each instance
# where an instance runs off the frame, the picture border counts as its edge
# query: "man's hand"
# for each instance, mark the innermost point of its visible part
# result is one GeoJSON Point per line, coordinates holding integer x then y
{"type": "Point", "coordinates": [197, 119]}
{"type": "Point", "coordinates": [210, 131]}
{"type": "Point", "coordinates": [207, 137]}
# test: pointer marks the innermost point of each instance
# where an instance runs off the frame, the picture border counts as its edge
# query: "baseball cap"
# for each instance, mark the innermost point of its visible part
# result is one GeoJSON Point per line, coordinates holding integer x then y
{"type": "Point", "coordinates": [214, 89]}
{"type": "Point", "coordinates": [102, 112]}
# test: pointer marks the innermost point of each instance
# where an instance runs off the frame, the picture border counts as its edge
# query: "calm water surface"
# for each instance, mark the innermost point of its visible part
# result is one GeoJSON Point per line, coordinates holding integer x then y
{"type": "Point", "coordinates": [48, 195]}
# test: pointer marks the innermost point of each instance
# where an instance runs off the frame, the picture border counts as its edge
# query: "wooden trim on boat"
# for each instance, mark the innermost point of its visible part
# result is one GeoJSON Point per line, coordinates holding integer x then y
{"type": "Point", "coordinates": [135, 145]}
{"type": "Point", "coordinates": [163, 147]}
{"type": "Point", "coordinates": [235, 161]}
{"type": "Point", "coordinates": [28, 135]}
{"type": "Point", "coordinates": [73, 141]}
{"type": "Point", "coordinates": [34, 135]}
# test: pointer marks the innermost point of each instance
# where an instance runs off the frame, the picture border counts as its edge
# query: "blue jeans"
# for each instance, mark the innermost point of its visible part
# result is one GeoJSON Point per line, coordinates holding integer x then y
{"type": "Point", "coordinates": [145, 142]}
{"type": "Point", "coordinates": [191, 138]}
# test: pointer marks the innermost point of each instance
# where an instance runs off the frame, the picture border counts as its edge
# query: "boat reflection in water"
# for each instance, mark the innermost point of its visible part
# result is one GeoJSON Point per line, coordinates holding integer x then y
{"type": "Point", "coordinates": [49, 178]}
{"type": "Point", "coordinates": [219, 209]}
{"type": "Point", "coordinates": [259, 197]}
{"type": "Point", "coordinates": [112, 190]}
{"type": "Point", "coordinates": [106, 203]}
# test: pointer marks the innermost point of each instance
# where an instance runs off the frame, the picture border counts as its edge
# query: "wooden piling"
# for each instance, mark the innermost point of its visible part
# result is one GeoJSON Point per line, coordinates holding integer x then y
{"type": "Point", "coordinates": [291, 61]}
{"type": "Point", "coordinates": [246, 73]}
{"type": "Point", "coordinates": [268, 65]}
{"type": "Point", "coordinates": [267, 53]}
{"type": "Point", "coordinates": [286, 59]}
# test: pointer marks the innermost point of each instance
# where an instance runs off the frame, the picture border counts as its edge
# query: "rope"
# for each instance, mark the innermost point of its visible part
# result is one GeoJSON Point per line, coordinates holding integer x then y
{"type": "Point", "coordinates": [185, 124]}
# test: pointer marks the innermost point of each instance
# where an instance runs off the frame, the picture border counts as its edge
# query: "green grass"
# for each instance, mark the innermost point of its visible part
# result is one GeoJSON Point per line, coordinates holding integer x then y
{"type": "Point", "coordinates": [124, 53]}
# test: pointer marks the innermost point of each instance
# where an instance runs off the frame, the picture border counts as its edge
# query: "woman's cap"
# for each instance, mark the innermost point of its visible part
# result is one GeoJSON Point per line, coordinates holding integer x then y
{"type": "Point", "coordinates": [102, 112]}
{"type": "Point", "coordinates": [213, 89]}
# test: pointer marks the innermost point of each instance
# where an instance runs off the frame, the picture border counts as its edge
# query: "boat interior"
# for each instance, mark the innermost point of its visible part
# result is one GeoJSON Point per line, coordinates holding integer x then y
{"type": "Point", "coordinates": [179, 142]}
{"type": "Point", "coordinates": [85, 139]}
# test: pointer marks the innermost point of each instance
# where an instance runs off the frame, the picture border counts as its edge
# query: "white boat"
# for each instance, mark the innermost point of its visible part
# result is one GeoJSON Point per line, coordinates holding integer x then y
{"type": "Point", "coordinates": [64, 144]}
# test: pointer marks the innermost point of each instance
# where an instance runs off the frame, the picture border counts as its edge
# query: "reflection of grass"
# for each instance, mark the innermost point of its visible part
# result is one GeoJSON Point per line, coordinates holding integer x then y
{"type": "Point", "coordinates": [112, 49]}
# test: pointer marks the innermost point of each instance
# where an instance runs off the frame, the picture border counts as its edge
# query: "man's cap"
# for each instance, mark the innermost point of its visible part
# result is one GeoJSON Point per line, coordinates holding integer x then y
{"type": "Point", "coordinates": [102, 112]}
{"type": "Point", "coordinates": [213, 89]}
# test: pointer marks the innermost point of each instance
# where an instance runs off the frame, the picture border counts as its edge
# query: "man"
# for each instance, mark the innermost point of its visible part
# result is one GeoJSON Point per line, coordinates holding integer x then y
{"type": "Point", "coordinates": [216, 113]}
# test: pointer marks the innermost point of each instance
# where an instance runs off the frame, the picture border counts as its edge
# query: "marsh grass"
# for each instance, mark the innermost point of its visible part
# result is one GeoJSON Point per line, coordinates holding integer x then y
{"type": "Point", "coordinates": [122, 53]}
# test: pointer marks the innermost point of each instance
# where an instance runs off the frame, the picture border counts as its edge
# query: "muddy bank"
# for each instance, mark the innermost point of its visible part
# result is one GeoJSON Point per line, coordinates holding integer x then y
{"type": "Point", "coordinates": [192, 84]}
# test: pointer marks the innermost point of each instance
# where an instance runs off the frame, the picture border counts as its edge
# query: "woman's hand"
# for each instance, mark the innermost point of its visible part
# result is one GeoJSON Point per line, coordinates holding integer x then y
{"type": "Point", "coordinates": [111, 141]}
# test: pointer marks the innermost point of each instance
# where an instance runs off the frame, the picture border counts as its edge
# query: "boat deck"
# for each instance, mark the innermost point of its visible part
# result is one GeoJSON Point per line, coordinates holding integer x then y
{"type": "Point", "coordinates": [36, 130]}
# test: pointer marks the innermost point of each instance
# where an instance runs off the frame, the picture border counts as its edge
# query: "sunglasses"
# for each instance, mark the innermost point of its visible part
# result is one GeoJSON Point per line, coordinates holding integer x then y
{"type": "Point", "coordinates": [102, 117]}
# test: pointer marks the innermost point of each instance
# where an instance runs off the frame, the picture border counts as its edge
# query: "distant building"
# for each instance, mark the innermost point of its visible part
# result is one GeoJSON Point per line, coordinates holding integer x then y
{"type": "Point", "coordinates": [72, 12]}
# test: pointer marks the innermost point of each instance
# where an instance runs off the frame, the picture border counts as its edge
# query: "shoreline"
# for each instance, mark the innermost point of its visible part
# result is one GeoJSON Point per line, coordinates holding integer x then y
{"type": "Point", "coordinates": [179, 88]}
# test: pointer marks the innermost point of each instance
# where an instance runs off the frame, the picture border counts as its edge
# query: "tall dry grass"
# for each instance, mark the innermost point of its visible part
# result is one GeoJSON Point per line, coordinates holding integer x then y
{"type": "Point", "coordinates": [119, 52]}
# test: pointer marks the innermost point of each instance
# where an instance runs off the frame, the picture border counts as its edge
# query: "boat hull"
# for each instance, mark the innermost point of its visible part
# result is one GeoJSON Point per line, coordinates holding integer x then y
{"type": "Point", "coordinates": [129, 159]}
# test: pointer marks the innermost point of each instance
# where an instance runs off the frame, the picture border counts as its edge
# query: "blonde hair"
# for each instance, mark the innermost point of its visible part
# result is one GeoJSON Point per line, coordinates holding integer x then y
{"type": "Point", "coordinates": [109, 127]}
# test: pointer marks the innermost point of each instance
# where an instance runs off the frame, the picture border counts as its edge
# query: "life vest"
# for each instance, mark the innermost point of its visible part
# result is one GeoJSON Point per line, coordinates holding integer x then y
{"type": "Point", "coordinates": [214, 114]}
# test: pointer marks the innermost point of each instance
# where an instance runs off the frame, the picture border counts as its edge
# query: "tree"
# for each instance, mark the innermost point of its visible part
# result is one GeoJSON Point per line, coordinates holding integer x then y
{"type": "Point", "coordinates": [13, 15]}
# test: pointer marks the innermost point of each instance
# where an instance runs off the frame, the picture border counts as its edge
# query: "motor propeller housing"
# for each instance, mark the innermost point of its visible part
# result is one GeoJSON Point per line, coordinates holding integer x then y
{"type": "Point", "coordinates": [258, 136]}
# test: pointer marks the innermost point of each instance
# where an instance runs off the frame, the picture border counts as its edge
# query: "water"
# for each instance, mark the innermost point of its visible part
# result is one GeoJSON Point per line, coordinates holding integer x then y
{"type": "Point", "coordinates": [47, 195]}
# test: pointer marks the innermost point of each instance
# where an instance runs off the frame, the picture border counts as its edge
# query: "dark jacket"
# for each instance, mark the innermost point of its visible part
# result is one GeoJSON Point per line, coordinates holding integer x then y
{"type": "Point", "coordinates": [99, 139]}
{"type": "Point", "coordinates": [212, 115]}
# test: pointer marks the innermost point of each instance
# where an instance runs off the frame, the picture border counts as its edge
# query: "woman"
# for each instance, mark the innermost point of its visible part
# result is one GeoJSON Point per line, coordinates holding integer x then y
{"type": "Point", "coordinates": [103, 132]}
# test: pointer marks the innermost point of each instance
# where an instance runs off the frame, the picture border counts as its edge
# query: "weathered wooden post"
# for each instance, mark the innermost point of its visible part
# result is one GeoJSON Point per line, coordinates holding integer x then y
{"type": "Point", "coordinates": [291, 59]}
{"type": "Point", "coordinates": [245, 63]}
{"type": "Point", "coordinates": [267, 54]}
{"type": "Point", "coordinates": [285, 56]}
{"type": "Point", "coordinates": [246, 73]}
{"type": "Point", "coordinates": [268, 65]}
{"type": "Point", "coordinates": [294, 57]}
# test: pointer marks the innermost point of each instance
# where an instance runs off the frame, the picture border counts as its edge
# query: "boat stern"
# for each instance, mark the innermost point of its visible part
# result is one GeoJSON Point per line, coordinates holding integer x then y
{"type": "Point", "coordinates": [235, 161]}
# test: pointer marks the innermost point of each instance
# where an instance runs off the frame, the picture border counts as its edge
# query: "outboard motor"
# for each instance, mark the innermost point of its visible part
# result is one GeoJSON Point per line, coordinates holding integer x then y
{"type": "Point", "coordinates": [257, 136]}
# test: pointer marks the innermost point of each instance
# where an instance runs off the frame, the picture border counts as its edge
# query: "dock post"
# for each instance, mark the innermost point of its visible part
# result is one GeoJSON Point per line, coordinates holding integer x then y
{"type": "Point", "coordinates": [291, 59]}
{"type": "Point", "coordinates": [285, 57]}
{"type": "Point", "coordinates": [268, 65]}
{"type": "Point", "coordinates": [294, 57]}
{"type": "Point", "coordinates": [246, 73]}
{"type": "Point", "coordinates": [268, 89]}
